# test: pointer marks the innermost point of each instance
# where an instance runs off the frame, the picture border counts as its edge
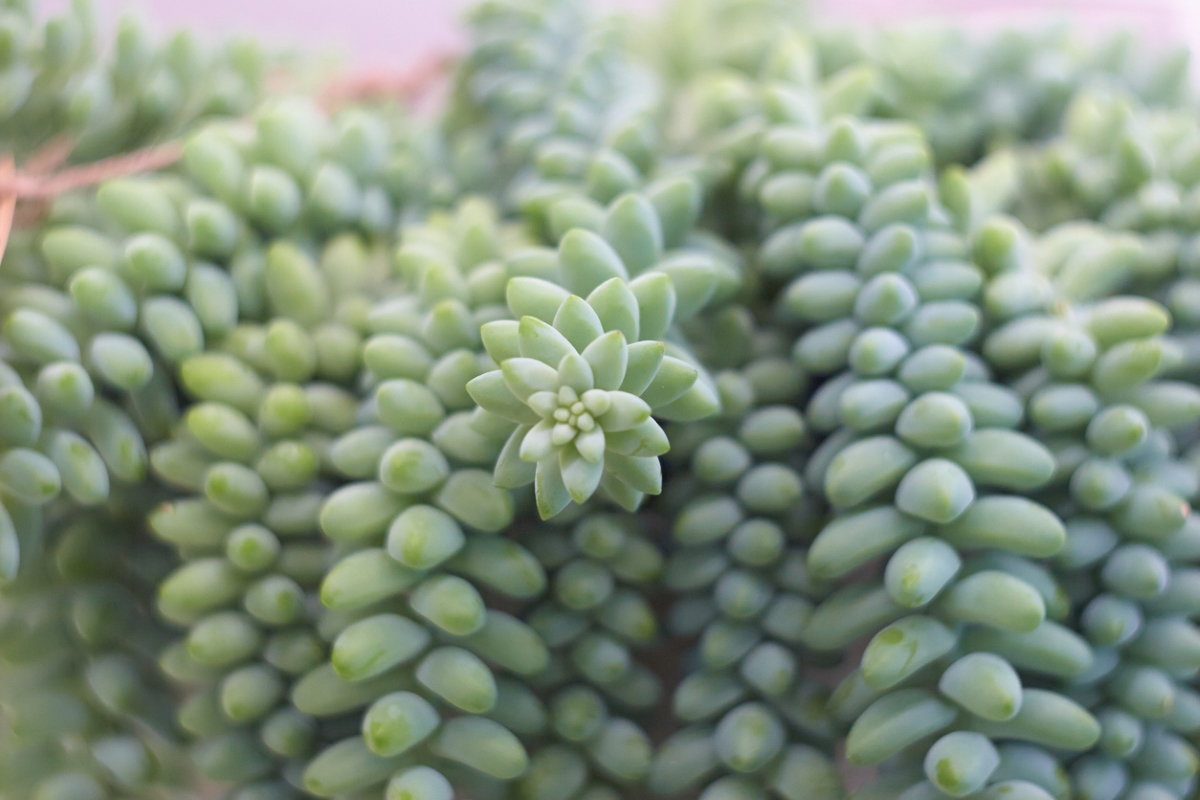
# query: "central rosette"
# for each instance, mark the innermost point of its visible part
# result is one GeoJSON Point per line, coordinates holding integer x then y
{"type": "Point", "coordinates": [581, 394]}
{"type": "Point", "coordinates": [575, 414]}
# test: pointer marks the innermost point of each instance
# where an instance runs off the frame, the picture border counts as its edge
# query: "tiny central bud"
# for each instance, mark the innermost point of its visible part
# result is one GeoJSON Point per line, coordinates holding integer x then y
{"type": "Point", "coordinates": [575, 414]}
{"type": "Point", "coordinates": [597, 401]}
{"type": "Point", "coordinates": [562, 434]}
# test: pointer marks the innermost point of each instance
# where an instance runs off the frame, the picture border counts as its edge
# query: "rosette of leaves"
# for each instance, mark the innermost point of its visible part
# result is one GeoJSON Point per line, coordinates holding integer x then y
{"type": "Point", "coordinates": [583, 377]}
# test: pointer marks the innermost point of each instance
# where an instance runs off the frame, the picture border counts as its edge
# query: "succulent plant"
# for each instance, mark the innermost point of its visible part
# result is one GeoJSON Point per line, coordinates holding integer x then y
{"type": "Point", "coordinates": [836, 389]}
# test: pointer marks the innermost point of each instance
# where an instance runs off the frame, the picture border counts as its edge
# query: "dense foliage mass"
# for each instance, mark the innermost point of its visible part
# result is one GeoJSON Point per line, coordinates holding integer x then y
{"type": "Point", "coordinates": [714, 406]}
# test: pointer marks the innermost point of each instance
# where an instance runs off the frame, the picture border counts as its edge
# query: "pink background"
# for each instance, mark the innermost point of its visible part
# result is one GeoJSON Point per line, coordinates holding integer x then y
{"type": "Point", "coordinates": [394, 33]}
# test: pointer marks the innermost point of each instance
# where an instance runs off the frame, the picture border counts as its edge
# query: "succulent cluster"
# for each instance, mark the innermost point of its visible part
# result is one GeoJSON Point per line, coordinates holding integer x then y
{"type": "Point", "coordinates": [726, 405]}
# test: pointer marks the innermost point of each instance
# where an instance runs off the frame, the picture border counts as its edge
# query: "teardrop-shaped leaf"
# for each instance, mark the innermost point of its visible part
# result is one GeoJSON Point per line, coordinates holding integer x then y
{"type": "Point", "coordinates": [526, 376]}
{"type": "Point", "coordinates": [577, 321]}
{"type": "Point", "coordinates": [534, 297]}
{"type": "Point", "coordinates": [500, 339]}
{"type": "Point", "coordinates": [483, 745]}
{"type": "Point", "coordinates": [511, 471]}
{"type": "Point", "coordinates": [449, 325]}
{"type": "Point", "coordinates": [540, 340]}
{"type": "Point", "coordinates": [588, 261]}
{"type": "Point", "coordinates": [643, 474]}
{"type": "Point", "coordinates": [626, 411]}
{"type": "Point", "coordinates": [552, 494]}
{"type": "Point", "coordinates": [538, 443]}
{"type": "Point", "coordinates": [645, 439]}
{"type": "Point", "coordinates": [643, 361]}
{"type": "Point", "coordinates": [608, 356]}
{"type": "Point", "coordinates": [574, 371]}
{"type": "Point", "coordinates": [591, 445]}
{"type": "Point", "coordinates": [489, 425]}
{"type": "Point", "coordinates": [698, 402]}
{"type": "Point", "coordinates": [579, 475]}
{"type": "Point", "coordinates": [490, 390]}
{"type": "Point", "coordinates": [674, 377]}
{"type": "Point", "coordinates": [617, 307]}
{"type": "Point", "coordinates": [632, 227]}
{"type": "Point", "coordinates": [677, 200]}
{"type": "Point", "coordinates": [655, 294]}
{"type": "Point", "coordinates": [621, 493]}
{"type": "Point", "coordinates": [397, 722]}
{"type": "Point", "coordinates": [543, 403]}
{"type": "Point", "coordinates": [695, 279]}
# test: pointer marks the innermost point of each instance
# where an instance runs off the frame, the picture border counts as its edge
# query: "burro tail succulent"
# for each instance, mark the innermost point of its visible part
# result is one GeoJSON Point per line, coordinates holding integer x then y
{"type": "Point", "coordinates": [584, 379]}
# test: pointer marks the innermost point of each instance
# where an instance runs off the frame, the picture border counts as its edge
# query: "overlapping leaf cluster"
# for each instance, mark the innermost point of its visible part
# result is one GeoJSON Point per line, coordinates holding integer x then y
{"type": "Point", "coordinates": [706, 406]}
